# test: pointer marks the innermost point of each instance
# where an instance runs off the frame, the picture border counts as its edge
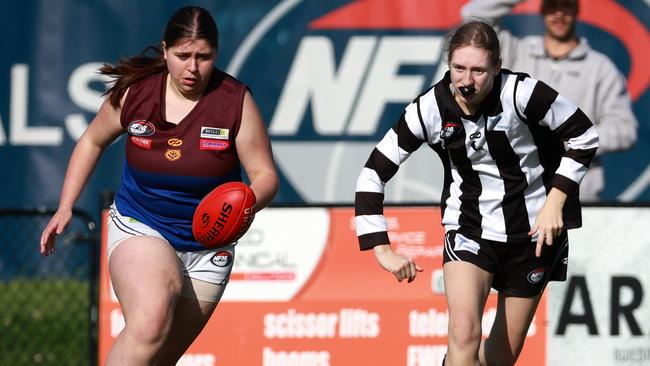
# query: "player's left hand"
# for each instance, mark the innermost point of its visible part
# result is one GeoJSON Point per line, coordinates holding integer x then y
{"type": "Point", "coordinates": [548, 223]}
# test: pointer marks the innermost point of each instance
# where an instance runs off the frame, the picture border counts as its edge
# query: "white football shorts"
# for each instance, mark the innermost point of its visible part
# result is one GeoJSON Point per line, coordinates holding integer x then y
{"type": "Point", "coordinates": [206, 271]}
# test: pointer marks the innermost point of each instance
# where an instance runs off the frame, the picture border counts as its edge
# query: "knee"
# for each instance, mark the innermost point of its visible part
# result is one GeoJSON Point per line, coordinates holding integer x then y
{"type": "Point", "coordinates": [150, 324]}
{"type": "Point", "coordinates": [465, 330]}
{"type": "Point", "coordinates": [149, 327]}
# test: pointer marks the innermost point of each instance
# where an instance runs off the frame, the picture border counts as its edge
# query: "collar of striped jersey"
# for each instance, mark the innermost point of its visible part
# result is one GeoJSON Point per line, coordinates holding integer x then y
{"type": "Point", "coordinates": [491, 105]}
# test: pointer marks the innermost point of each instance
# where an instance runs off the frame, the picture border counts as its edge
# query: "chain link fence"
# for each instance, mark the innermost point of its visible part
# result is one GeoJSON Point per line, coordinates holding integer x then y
{"type": "Point", "coordinates": [48, 305]}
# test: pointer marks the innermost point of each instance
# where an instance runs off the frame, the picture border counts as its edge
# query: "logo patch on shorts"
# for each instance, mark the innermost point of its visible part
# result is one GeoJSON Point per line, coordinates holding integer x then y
{"type": "Point", "coordinates": [222, 258]}
{"type": "Point", "coordinates": [462, 243]}
{"type": "Point", "coordinates": [536, 276]}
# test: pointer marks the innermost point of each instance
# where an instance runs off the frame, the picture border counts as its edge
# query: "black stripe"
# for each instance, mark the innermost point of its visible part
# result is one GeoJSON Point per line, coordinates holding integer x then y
{"type": "Point", "coordinates": [470, 186]}
{"type": "Point", "coordinates": [406, 140]}
{"type": "Point", "coordinates": [514, 183]}
{"type": "Point", "coordinates": [550, 150]}
{"type": "Point", "coordinates": [371, 240]}
{"type": "Point", "coordinates": [448, 179]}
{"type": "Point", "coordinates": [456, 150]}
{"type": "Point", "coordinates": [583, 157]}
{"type": "Point", "coordinates": [424, 127]}
{"type": "Point", "coordinates": [384, 167]}
{"type": "Point", "coordinates": [574, 126]}
{"type": "Point", "coordinates": [540, 102]}
{"type": "Point", "coordinates": [368, 203]}
{"type": "Point", "coordinates": [564, 184]}
{"type": "Point", "coordinates": [520, 77]}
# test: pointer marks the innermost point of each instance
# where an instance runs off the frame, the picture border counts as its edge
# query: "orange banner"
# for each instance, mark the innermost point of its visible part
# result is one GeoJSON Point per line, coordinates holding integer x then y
{"type": "Point", "coordinates": [340, 307]}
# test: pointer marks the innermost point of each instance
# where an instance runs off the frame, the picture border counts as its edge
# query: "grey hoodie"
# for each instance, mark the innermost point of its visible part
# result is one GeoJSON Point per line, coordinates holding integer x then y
{"type": "Point", "coordinates": [585, 76]}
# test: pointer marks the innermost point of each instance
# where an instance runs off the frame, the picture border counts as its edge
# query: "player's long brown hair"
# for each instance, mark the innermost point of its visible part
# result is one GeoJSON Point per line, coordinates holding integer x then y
{"type": "Point", "coordinates": [188, 22]}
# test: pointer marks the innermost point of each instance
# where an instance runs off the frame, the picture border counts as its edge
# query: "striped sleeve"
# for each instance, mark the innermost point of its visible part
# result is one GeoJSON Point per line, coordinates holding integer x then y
{"type": "Point", "coordinates": [396, 146]}
{"type": "Point", "coordinates": [569, 124]}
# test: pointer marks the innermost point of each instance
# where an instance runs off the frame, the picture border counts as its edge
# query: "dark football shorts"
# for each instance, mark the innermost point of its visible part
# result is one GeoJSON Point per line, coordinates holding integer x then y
{"type": "Point", "coordinates": [517, 271]}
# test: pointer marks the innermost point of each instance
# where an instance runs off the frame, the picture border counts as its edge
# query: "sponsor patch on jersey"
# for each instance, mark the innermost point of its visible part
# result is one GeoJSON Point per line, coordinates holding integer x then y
{"type": "Point", "coordinates": [495, 125]}
{"type": "Point", "coordinates": [222, 258]}
{"type": "Point", "coordinates": [172, 154]}
{"type": "Point", "coordinates": [215, 133]}
{"type": "Point", "coordinates": [141, 128]}
{"type": "Point", "coordinates": [141, 142]}
{"type": "Point", "coordinates": [206, 144]}
{"type": "Point", "coordinates": [175, 142]}
{"type": "Point", "coordinates": [536, 276]}
{"type": "Point", "coordinates": [462, 243]}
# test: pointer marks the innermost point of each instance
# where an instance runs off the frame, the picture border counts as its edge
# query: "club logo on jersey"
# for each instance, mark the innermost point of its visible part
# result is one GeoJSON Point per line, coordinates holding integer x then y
{"type": "Point", "coordinates": [175, 142]}
{"type": "Point", "coordinates": [449, 129]}
{"type": "Point", "coordinates": [217, 145]}
{"type": "Point", "coordinates": [222, 258]}
{"type": "Point", "coordinates": [475, 137]}
{"type": "Point", "coordinates": [536, 276]}
{"type": "Point", "coordinates": [141, 142]}
{"type": "Point", "coordinates": [172, 154]}
{"type": "Point", "coordinates": [215, 133]}
{"type": "Point", "coordinates": [141, 128]}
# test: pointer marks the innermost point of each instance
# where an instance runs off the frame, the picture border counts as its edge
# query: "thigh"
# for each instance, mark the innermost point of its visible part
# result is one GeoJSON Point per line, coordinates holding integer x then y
{"type": "Point", "coordinates": [146, 276]}
{"type": "Point", "coordinates": [466, 289]}
{"type": "Point", "coordinates": [468, 274]}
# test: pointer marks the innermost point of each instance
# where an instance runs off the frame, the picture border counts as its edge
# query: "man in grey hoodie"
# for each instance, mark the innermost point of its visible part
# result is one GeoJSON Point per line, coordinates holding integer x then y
{"type": "Point", "coordinates": [566, 62]}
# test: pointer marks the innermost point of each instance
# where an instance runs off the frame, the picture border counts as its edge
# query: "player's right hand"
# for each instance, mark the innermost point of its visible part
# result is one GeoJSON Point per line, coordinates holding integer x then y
{"type": "Point", "coordinates": [400, 266]}
{"type": "Point", "coordinates": [57, 224]}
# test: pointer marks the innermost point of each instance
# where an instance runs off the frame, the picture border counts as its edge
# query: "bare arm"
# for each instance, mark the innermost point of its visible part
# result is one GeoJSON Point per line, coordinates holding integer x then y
{"type": "Point", "coordinates": [254, 151]}
{"type": "Point", "coordinates": [103, 129]}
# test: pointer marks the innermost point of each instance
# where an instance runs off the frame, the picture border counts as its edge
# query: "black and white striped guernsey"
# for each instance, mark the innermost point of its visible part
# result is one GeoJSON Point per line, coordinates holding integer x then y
{"type": "Point", "coordinates": [499, 164]}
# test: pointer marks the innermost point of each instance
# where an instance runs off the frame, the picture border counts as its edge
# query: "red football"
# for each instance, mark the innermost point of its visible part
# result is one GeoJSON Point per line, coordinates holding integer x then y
{"type": "Point", "coordinates": [224, 215]}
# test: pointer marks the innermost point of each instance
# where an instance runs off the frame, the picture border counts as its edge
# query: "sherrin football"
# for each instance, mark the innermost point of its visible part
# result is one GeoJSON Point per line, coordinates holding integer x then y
{"type": "Point", "coordinates": [224, 215]}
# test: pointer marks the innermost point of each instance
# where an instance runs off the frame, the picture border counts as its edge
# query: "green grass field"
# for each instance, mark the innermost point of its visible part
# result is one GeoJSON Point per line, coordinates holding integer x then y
{"type": "Point", "coordinates": [44, 322]}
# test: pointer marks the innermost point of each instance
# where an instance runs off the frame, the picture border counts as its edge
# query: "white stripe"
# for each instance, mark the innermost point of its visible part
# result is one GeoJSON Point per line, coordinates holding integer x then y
{"type": "Point", "coordinates": [366, 224]}
{"type": "Point", "coordinates": [560, 111]}
{"type": "Point", "coordinates": [413, 121]}
{"type": "Point", "coordinates": [524, 91]}
{"type": "Point", "coordinates": [453, 256]}
{"type": "Point", "coordinates": [390, 148]}
{"type": "Point", "coordinates": [571, 169]}
{"type": "Point", "coordinates": [257, 33]}
{"type": "Point", "coordinates": [431, 116]}
{"type": "Point", "coordinates": [369, 181]}
{"type": "Point", "coordinates": [588, 140]}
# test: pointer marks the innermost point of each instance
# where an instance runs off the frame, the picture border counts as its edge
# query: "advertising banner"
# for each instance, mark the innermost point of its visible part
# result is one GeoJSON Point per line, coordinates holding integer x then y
{"type": "Point", "coordinates": [329, 77]}
{"type": "Point", "coordinates": [601, 315]}
{"type": "Point", "coordinates": [302, 294]}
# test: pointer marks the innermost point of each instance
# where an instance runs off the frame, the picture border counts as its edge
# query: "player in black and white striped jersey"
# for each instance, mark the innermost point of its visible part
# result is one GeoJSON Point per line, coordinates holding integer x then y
{"type": "Point", "coordinates": [514, 153]}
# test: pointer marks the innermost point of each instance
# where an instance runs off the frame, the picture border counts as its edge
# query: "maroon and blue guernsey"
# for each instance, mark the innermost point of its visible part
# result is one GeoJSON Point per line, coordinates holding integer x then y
{"type": "Point", "coordinates": [169, 168]}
